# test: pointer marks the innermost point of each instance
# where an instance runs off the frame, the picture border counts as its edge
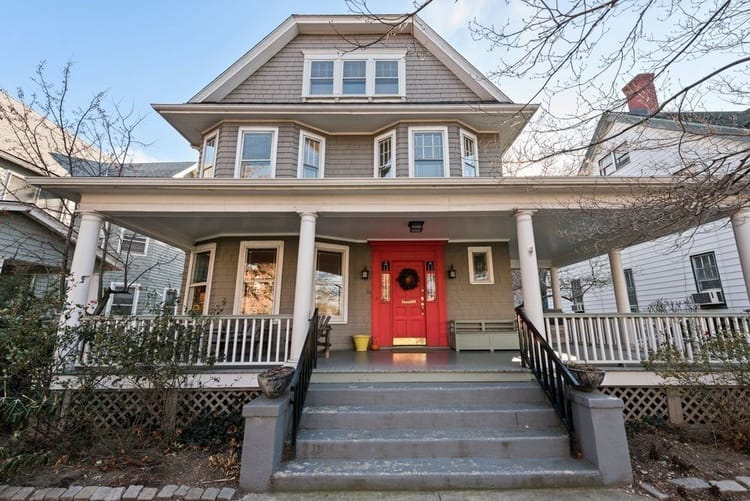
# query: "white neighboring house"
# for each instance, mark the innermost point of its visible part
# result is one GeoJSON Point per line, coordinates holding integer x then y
{"type": "Point", "coordinates": [696, 269]}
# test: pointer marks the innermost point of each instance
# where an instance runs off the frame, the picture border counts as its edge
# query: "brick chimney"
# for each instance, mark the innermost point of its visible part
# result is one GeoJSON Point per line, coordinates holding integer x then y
{"type": "Point", "coordinates": [641, 95]}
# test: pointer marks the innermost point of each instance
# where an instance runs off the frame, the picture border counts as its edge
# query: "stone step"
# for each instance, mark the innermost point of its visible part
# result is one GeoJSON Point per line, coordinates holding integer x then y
{"type": "Point", "coordinates": [433, 473]}
{"type": "Point", "coordinates": [423, 393]}
{"type": "Point", "coordinates": [396, 443]}
{"type": "Point", "coordinates": [376, 417]}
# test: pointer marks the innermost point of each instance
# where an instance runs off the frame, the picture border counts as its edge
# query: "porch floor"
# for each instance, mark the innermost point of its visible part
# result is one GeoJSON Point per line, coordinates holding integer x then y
{"type": "Point", "coordinates": [415, 364]}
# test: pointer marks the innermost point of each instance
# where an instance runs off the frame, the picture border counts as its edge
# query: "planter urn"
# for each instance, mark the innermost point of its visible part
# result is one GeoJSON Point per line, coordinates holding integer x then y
{"type": "Point", "coordinates": [274, 381]}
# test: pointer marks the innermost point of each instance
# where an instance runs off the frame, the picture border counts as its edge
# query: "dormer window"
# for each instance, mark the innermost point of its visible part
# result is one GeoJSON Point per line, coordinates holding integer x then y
{"type": "Point", "coordinates": [374, 74]}
{"type": "Point", "coordinates": [614, 160]}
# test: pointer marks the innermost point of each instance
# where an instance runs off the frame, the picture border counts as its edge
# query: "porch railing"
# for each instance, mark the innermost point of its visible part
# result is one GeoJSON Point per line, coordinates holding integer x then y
{"type": "Point", "coordinates": [554, 377]}
{"type": "Point", "coordinates": [222, 340]}
{"type": "Point", "coordinates": [633, 337]}
{"type": "Point", "coordinates": [308, 360]}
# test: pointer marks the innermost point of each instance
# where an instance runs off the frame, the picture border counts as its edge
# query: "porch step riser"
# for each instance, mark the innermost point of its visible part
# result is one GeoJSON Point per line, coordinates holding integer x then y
{"type": "Point", "coordinates": [419, 479]}
{"type": "Point", "coordinates": [436, 396]}
{"type": "Point", "coordinates": [420, 377]}
{"type": "Point", "coordinates": [533, 447]}
{"type": "Point", "coordinates": [429, 419]}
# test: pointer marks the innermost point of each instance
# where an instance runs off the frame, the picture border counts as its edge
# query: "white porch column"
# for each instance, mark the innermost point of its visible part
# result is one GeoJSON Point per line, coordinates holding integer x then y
{"type": "Point", "coordinates": [303, 288]}
{"type": "Point", "coordinates": [741, 228]}
{"type": "Point", "coordinates": [554, 274]}
{"type": "Point", "coordinates": [82, 265]}
{"type": "Point", "coordinates": [618, 281]}
{"type": "Point", "coordinates": [532, 292]}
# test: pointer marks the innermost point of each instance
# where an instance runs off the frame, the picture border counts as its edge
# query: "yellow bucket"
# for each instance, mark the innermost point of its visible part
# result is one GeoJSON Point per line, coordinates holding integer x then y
{"type": "Point", "coordinates": [361, 342]}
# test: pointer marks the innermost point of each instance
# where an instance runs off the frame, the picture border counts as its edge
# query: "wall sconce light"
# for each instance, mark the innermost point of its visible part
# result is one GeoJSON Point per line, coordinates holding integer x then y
{"type": "Point", "coordinates": [451, 272]}
{"type": "Point", "coordinates": [365, 273]}
{"type": "Point", "coordinates": [416, 226]}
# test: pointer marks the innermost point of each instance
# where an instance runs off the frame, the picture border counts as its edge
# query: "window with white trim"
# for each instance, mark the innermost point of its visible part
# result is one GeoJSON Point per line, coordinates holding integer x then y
{"type": "Point", "coordinates": [480, 265]}
{"type": "Point", "coordinates": [171, 299]}
{"type": "Point", "coordinates": [577, 295]}
{"type": "Point", "coordinates": [256, 152]}
{"type": "Point", "coordinates": [132, 243]}
{"type": "Point", "coordinates": [630, 286]}
{"type": "Point", "coordinates": [200, 273]}
{"type": "Point", "coordinates": [469, 154]}
{"type": "Point", "coordinates": [17, 189]}
{"type": "Point", "coordinates": [208, 157]}
{"type": "Point", "coordinates": [369, 73]}
{"type": "Point", "coordinates": [122, 302]}
{"type": "Point", "coordinates": [614, 160]}
{"type": "Point", "coordinates": [312, 150]}
{"type": "Point", "coordinates": [706, 272]}
{"type": "Point", "coordinates": [385, 158]}
{"type": "Point", "coordinates": [331, 281]}
{"type": "Point", "coordinates": [428, 152]}
{"type": "Point", "coordinates": [259, 278]}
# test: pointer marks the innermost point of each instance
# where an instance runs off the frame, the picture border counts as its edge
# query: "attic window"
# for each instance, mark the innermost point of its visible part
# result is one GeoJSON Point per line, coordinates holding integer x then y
{"type": "Point", "coordinates": [614, 160]}
{"type": "Point", "coordinates": [366, 73]}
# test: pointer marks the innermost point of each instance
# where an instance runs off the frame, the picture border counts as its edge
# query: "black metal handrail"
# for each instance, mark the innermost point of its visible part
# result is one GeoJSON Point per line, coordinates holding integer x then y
{"type": "Point", "coordinates": [551, 373]}
{"type": "Point", "coordinates": [307, 361]}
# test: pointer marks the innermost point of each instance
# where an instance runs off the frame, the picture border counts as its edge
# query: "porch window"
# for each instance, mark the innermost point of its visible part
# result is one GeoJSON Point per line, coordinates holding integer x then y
{"type": "Point", "coordinates": [630, 285]}
{"type": "Point", "coordinates": [259, 278]}
{"type": "Point", "coordinates": [469, 156]}
{"type": "Point", "coordinates": [200, 271]}
{"type": "Point", "coordinates": [256, 154]}
{"type": "Point", "coordinates": [331, 281]}
{"type": "Point", "coordinates": [614, 160]}
{"type": "Point", "coordinates": [132, 243]}
{"type": "Point", "coordinates": [385, 164]}
{"type": "Point", "coordinates": [577, 295]}
{"type": "Point", "coordinates": [428, 152]}
{"type": "Point", "coordinates": [311, 156]}
{"type": "Point", "coordinates": [321, 78]}
{"type": "Point", "coordinates": [122, 302]}
{"type": "Point", "coordinates": [480, 265]}
{"type": "Point", "coordinates": [208, 158]}
{"type": "Point", "coordinates": [706, 272]}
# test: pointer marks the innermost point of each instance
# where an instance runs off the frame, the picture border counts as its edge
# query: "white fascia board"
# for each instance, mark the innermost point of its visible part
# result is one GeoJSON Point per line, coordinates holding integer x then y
{"type": "Point", "coordinates": [249, 63]}
{"type": "Point", "coordinates": [187, 171]}
{"type": "Point", "coordinates": [459, 65]}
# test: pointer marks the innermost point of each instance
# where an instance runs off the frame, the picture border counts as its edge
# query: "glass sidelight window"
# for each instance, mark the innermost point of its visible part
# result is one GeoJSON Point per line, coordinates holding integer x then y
{"type": "Point", "coordinates": [259, 278]}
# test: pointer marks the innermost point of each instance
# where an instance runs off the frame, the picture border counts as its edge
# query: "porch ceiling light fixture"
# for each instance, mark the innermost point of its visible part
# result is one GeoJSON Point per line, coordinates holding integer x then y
{"type": "Point", "coordinates": [365, 273]}
{"type": "Point", "coordinates": [451, 272]}
{"type": "Point", "coordinates": [416, 226]}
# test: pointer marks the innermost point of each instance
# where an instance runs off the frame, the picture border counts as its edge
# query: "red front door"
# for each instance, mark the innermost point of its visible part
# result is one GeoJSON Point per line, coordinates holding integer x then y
{"type": "Point", "coordinates": [408, 303]}
{"type": "Point", "coordinates": [408, 294]}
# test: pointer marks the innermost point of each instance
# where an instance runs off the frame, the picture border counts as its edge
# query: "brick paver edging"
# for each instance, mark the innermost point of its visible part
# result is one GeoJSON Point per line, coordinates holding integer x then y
{"type": "Point", "coordinates": [129, 493]}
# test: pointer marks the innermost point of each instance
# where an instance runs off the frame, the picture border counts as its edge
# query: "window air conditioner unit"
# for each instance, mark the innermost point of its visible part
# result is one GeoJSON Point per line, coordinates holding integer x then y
{"type": "Point", "coordinates": [709, 297]}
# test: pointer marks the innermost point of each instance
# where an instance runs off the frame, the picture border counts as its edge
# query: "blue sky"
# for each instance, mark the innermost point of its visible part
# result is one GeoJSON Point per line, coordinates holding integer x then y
{"type": "Point", "coordinates": [165, 51]}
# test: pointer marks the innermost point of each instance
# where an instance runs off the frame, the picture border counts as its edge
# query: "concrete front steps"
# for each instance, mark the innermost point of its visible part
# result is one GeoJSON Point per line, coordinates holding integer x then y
{"type": "Point", "coordinates": [420, 436]}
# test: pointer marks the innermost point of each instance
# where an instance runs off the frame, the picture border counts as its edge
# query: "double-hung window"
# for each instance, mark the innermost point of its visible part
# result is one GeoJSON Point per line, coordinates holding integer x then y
{"type": "Point", "coordinates": [428, 152]}
{"type": "Point", "coordinates": [576, 292]}
{"type": "Point", "coordinates": [256, 152]}
{"type": "Point", "coordinates": [121, 301]}
{"type": "Point", "coordinates": [355, 78]}
{"type": "Point", "coordinates": [331, 280]}
{"type": "Point", "coordinates": [200, 270]}
{"type": "Point", "coordinates": [630, 286]}
{"type": "Point", "coordinates": [132, 243]}
{"type": "Point", "coordinates": [385, 159]}
{"type": "Point", "coordinates": [469, 155]}
{"type": "Point", "coordinates": [369, 73]}
{"type": "Point", "coordinates": [312, 150]}
{"type": "Point", "coordinates": [614, 160]}
{"type": "Point", "coordinates": [706, 272]}
{"type": "Point", "coordinates": [259, 278]}
{"type": "Point", "coordinates": [208, 158]}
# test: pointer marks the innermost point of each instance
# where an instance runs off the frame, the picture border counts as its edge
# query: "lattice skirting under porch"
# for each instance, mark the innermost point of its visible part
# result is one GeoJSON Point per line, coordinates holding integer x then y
{"type": "Point", "coordinates": [117, 409]}
{"type": "Point", "coordinates": [679, 405]}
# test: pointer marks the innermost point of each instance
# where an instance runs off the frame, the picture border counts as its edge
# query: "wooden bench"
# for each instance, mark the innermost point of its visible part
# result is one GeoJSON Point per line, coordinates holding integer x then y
{"type": "Point", "coordinates": [483, 335]}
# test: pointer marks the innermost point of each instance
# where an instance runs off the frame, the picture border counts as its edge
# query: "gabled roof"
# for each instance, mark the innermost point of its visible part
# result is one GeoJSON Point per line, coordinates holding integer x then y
{"type": "Point", "coordinates": [735, 124]}
{"type": "Point", "coordinates": [295, 25]}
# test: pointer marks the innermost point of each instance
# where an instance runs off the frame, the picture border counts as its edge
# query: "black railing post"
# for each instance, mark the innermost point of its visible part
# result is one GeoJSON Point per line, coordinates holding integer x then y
{"type": "Point", "coordinates": [308, 360]}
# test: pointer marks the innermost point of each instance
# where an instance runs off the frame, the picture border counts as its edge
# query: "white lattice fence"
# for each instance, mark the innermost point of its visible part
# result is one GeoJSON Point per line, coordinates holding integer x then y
{"type": "Point", "coordinates": [640, 401]}
{"type": "Point", "coordinates": [702, 407]}
{"type": "Point", "coordinates": [117, 409]}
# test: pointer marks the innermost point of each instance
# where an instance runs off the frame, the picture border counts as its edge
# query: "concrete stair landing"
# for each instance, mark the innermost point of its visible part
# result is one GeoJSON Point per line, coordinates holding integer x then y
{"type": "Point", "coordinates": [420, 436]}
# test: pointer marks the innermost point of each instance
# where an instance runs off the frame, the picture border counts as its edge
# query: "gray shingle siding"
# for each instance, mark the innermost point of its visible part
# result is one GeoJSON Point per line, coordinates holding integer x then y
{"type": "Point", "coordinates": [24, 240]}
{"type": "Point", "coordinates": [280, 79]}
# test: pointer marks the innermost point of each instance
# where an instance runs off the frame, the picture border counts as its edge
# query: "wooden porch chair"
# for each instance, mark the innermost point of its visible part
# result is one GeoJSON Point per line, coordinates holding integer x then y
{"type": "Point", "coordinates": [324, 335]}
